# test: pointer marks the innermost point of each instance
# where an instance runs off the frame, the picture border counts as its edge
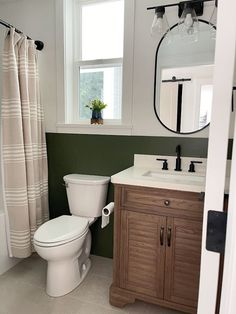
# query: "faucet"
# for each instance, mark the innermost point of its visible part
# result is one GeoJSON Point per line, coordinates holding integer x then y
{"type": "Point", "coordinates": [178, 159]}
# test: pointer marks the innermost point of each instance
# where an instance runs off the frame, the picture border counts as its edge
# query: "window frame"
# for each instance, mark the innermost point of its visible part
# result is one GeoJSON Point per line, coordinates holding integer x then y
{"type": "Point", "coordinates": [89, 64]}
{"type": "Point", "coordinates": [67, 69]}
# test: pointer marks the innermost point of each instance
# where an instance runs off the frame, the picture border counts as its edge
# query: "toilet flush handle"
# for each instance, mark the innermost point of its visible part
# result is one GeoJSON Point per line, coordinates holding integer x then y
{"type": "Point", "coordinates": [65, 184]}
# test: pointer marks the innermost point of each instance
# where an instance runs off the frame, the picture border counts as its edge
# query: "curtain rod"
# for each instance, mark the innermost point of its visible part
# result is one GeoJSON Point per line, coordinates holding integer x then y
{"type": "Point", "coordinates": [174, 80]}
{"type": "Point", "coordinates": [39, 44]}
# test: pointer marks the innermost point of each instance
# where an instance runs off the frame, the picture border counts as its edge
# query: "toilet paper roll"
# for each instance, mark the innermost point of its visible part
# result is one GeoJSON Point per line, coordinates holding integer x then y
{"type": "Point", "coordinates": [106, 212]}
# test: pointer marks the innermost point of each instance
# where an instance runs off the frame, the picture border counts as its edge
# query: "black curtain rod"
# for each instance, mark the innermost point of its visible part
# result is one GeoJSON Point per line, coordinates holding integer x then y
{"type": "Point", "coordinates": [177, 80]}
{"type": "Point", "coordinates": [39, 44]}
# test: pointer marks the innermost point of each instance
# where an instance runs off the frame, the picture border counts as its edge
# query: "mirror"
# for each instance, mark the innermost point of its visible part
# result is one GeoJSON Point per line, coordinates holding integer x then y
{"type": "Point", "coordinates": [183, 83]}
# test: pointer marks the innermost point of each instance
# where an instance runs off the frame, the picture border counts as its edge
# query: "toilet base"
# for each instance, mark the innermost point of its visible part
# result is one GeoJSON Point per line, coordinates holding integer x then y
{"type": "Point", "coordinates": [65, 276]}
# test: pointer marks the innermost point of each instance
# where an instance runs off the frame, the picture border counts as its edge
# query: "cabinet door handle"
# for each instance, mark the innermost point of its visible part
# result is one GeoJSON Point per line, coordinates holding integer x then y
{"type": "Point", "coordinates": [169, 236]}
{"type": "Point", "coordinates": [162, 235]}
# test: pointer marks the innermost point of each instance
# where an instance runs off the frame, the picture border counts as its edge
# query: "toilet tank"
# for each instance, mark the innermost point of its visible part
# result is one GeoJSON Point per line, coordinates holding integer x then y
{"type": "Point", "coordinates": [86, 194]}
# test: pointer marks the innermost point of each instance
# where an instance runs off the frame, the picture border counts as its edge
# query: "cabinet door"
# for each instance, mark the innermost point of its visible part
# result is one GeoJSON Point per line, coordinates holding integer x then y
{"type": "Point", "coordinates": [143, 253]}
{"type": "Point", "coordinates": [183, 255]}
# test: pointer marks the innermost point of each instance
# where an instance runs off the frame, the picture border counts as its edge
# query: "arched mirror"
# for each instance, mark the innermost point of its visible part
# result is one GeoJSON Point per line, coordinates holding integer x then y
{"type": "Point", "coordinates": [183, 83]}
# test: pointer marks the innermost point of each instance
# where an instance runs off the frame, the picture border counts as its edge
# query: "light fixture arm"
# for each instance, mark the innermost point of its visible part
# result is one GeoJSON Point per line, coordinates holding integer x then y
{"type": "Point", "coordinates": [197, 5]}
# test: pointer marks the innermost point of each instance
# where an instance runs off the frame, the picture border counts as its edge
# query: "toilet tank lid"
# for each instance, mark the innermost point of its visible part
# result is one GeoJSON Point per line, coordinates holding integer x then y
{"type": "Point", "coordinates": [85, 179]}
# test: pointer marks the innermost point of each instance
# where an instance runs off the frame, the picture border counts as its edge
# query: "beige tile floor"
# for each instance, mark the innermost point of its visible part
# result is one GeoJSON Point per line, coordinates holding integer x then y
{"type": "Point", "coordinates": [22, 291]}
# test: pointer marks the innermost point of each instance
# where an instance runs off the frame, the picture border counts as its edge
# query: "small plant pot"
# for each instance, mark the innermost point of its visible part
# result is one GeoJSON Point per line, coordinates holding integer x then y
{"type": "Point", "coordinates": [96, 117]}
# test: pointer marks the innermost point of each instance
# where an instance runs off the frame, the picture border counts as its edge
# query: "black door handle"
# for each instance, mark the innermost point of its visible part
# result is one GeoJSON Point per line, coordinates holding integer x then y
{"type": "Point", "coordinates": [162, 236]}
{"type": "Point", "coordinates": [169, 236]}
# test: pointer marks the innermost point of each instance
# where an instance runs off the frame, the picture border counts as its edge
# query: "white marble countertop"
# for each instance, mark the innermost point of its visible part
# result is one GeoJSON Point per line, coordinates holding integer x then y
{"type": "Point", "coordinates": [147, 171]}
{"type": "Point", "coordinates": [139, 176]}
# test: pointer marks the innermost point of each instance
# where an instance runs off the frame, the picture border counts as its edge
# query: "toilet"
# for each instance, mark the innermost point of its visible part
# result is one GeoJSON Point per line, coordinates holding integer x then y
{"type": "Point", "coordinates": [65, 242]}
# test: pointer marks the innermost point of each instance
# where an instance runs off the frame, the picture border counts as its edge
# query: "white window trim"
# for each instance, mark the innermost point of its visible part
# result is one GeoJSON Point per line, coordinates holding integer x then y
{"type": "Point", "coordinates": [100, 62]}
{"type": "Point", "coordinates": [65, 73]}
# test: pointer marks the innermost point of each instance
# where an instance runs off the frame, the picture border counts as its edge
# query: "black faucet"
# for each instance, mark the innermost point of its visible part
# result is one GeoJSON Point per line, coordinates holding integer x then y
{"type": "Point", "coordinates": [178, 159]}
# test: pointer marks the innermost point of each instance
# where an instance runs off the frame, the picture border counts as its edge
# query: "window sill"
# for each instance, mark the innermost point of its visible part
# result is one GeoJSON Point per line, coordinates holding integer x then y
{"type": "Point", "coordinates": [102, 129]}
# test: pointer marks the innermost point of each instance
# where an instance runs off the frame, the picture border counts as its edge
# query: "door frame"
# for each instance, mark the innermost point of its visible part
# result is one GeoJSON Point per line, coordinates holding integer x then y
{"type": "Point", "coordinates": [228, 300]}
{"type": "Point", "coordinates": [216, 168]}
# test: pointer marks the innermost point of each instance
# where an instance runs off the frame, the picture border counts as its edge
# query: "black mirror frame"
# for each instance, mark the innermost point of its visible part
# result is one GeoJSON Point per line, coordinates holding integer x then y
{"type": "Point", "coordinates": [155, 81]}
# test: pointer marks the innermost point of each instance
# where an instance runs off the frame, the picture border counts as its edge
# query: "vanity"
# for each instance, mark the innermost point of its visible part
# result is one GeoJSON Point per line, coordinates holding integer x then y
{"type": "Point", "coordinates": [158, 231]}
{"type": "Point", "coordinates": [159, 203]}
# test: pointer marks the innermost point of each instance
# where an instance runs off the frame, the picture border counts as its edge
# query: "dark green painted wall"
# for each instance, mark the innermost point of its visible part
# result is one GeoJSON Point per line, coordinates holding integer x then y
{"type": "Point", "coordinates": [104, 155]}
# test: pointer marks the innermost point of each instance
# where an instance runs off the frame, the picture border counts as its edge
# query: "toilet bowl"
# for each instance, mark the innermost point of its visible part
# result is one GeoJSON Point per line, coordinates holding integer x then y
{"type": "Point", "coordinates": [65, 242]}
{"type": "Point", "coordinates": [60, 242]}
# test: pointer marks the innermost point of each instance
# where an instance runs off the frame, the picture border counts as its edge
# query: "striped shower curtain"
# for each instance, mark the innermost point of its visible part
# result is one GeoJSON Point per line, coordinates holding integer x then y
{"type": "Point", "coordinates": [24, 156]}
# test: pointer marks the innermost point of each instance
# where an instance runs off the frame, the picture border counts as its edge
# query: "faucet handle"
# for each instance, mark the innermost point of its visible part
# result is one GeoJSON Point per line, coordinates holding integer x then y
{"type": "Point", "coordinates": [165, 164]}
{"type": "Point", "coordinates": [192, 166]}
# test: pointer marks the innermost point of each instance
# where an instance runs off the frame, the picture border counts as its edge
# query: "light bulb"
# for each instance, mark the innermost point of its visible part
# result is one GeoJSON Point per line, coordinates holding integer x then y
{"type": "Point", "coordinates": [188, 22]}
{"type": "Point", "coordinates": [159, 24]}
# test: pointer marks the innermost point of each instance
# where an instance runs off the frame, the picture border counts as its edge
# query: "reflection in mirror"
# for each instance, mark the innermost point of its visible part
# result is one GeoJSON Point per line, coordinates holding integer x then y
{"type": "Point", "coordinates": [183, 80]}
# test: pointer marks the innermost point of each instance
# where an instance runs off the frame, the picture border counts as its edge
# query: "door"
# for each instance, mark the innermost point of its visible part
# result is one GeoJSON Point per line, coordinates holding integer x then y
{"type": "Point", "coordinates": [143, 248]}
{"type": "Point", "coordinates": [216, 168]}
{"type": "Point", "coordinates": [183, 256]}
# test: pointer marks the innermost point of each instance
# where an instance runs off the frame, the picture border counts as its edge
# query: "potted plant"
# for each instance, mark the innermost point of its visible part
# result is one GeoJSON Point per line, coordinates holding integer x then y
{"type": "Point", "coordinates": [96, 106]}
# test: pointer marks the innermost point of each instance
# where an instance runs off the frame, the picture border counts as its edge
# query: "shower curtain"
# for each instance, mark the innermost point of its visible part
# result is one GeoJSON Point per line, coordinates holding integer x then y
{"type": "Point", "coordinates": [24, 156]}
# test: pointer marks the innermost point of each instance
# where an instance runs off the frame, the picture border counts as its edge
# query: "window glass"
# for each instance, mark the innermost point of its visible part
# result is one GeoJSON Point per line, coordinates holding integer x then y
{"type": "Point", "coordinates": [102, 30]}
{"type": "Point", "coordinates": [104, 83]}
{"type": "Point", "coordinates": [205, 105]}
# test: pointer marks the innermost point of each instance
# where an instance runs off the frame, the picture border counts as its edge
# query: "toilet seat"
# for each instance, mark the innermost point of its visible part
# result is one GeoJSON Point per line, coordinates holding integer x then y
{"type": "Point", "coordinates": [61, 230]}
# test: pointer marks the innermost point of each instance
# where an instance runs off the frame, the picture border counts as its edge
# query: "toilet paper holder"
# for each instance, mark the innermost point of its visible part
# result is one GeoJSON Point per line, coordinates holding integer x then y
{"type": "Point", "coordinates": [106, 212]}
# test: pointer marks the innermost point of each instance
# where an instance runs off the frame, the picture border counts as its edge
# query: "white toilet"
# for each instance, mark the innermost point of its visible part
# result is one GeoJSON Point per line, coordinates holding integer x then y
{"type": "Point", "coordinates": [65, 241]}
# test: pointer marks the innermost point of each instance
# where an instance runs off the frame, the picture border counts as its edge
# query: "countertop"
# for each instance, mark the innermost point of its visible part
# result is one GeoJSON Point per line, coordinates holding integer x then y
{"type": "Point", "coordinates": [182, 181]}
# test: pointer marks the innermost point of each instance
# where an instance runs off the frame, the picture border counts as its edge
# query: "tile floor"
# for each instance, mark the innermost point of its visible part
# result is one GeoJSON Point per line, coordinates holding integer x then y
{"type": "Point", "coordinates": [22, 292]}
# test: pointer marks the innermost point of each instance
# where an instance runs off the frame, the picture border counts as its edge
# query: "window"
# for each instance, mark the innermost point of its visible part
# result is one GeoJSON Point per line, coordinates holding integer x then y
{"type": "Point", "coordinates": [206, 99]}
{"type": "Point", "coordinates": [100, 56]}
{"type": "Point", "coordinates": [95, 60]}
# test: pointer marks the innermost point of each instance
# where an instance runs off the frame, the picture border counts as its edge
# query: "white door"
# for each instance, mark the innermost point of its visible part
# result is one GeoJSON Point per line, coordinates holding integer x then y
{"type": "Point", "coordinates": [216, 169]}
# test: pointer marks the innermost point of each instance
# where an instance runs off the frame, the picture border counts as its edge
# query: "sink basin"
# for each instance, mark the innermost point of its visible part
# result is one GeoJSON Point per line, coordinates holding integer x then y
{"type": "Point", "coordinates": [177, 178]}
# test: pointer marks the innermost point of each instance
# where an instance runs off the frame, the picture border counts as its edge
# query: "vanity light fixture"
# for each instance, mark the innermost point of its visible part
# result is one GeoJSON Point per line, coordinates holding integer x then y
{"type": "Point", "coordinates": [188, 12]}
{"type": "Point", "coordinates": [160, 24]}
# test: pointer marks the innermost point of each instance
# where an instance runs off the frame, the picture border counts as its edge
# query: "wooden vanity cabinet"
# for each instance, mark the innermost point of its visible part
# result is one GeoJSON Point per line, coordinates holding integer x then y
{"type": "Point", "coordinates": [157, 247]}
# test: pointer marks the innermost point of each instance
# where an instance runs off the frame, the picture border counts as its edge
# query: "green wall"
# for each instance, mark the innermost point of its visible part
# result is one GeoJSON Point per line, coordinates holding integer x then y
{"type": "Point", "coordinates": [104, 155]}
